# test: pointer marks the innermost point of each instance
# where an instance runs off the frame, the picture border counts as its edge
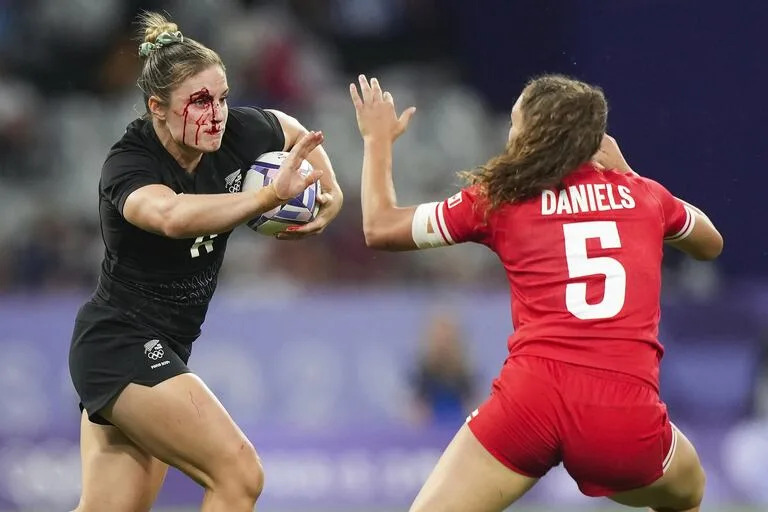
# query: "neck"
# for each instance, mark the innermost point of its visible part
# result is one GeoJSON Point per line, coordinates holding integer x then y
{"type": "Point", "coordinates": [186, 157]}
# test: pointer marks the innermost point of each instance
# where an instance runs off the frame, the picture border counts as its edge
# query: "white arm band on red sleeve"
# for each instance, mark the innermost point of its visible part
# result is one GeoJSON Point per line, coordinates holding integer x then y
{"type": "Point", "coordinates": [427, 229]}
{"type": "Point", "coordinates": [690, 221]}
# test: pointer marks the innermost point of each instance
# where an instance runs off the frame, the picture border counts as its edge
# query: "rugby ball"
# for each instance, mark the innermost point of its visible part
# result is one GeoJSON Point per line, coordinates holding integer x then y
{"type": "Point", "coordinates": [301, 209]}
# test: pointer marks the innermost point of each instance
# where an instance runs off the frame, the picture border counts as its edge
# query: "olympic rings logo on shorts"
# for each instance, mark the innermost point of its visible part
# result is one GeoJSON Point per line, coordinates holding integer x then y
{"type": "Point", "coordinates": [155, 354]}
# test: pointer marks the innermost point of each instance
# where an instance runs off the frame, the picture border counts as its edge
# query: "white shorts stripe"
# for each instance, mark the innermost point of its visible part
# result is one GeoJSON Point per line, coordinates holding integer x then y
{"type": "Point", "coordinates": [672, 448]}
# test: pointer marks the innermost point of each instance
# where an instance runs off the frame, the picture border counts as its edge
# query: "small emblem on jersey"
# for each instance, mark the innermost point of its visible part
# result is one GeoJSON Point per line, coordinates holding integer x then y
{"type": "Point", "coordinates": [454, 200]}
{"type": "Point", "coordinates": [233, 181]}
{"type": "Point", "coordinates": [154, 349]}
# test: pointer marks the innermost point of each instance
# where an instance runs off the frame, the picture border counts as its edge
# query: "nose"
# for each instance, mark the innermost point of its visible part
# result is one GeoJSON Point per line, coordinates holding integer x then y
{"type": "Point", "coordinates": [216, 111]}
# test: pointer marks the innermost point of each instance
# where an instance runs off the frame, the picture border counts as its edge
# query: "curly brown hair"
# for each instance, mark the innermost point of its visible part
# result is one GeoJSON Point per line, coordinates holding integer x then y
{"type": "Point", "coordinates": [563, 122]}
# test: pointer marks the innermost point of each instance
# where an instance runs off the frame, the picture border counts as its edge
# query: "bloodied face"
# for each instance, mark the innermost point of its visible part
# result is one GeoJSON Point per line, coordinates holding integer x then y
{"type": "Point", "coordinates": [197, 114]}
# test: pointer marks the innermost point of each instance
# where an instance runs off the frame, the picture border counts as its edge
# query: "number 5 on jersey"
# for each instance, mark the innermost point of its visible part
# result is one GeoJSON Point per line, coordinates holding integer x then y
{"type": "Point", "coordinates": [580, 265]}
{"type": "Point", "coordinates": [205, 241]}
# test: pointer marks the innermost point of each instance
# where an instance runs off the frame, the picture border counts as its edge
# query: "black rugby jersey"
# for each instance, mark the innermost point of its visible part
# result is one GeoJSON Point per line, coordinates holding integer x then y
{"type": "Point", "coordinates": [167, 283]}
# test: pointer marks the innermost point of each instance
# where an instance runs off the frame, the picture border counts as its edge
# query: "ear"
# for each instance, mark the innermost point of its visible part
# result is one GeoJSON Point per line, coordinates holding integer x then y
{"type": "Point", "coordinates": [157, 107]}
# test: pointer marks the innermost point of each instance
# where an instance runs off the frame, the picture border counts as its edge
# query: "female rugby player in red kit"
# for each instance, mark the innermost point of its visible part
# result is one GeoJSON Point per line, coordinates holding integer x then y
{"type": "Point", "coordinates": [580, 236]}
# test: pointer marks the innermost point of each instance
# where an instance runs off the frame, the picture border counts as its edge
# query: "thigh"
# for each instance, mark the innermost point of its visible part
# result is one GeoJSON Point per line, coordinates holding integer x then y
{"type": "Point", "coordinates": [117, 474]}
{"type": "Point", "coordinates": [681, 487]}
{"type": "Point", "coordinates": [182, 423]}
{"type": "Point", "coordinates": [519, 423]}
{"type": "Point", "coordinates": [109, 351]}
{"type": "Point", "coordinates": [467, 478]}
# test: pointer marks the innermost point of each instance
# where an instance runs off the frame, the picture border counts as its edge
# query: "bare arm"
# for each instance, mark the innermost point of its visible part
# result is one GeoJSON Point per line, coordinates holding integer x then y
{"type": "Point", "coordinates": [293, 130]}
{"type": "Point", "coordinates": [158, 209]}
{"type": "Point", "coordinates": [331, 198]}
{"type": "Point", "coordinates": [704, 242]}
{"type": "Point", "coordinates": [385, 225]}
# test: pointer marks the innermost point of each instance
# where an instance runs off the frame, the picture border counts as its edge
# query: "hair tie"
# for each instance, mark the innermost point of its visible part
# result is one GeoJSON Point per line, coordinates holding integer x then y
{"type": "Point", "coordinates": [164, 39]}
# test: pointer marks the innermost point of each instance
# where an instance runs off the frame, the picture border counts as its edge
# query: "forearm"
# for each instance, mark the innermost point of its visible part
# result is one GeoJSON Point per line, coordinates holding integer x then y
{"type": "Point", "coordinates": [378, 190]}
{"type": "Point", "coordinates": [319, 160]}
{"type": "Point", "coordinates": [385, 225]}
{"type": "Point", "coordinates": [191, 215]}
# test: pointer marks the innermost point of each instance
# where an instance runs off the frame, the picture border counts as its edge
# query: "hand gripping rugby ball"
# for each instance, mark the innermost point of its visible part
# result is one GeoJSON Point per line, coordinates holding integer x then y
{"type": "Point", "coordinates": [301, 209]}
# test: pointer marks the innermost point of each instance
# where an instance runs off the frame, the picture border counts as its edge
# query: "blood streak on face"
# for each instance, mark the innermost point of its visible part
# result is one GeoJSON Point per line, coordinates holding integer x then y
{"type": "Point", "coordinates": [203, 99]}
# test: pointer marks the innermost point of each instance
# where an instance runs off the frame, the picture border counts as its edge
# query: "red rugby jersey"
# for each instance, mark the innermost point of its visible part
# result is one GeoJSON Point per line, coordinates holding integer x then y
{"type": "Point", "coordinates": [583, 263]}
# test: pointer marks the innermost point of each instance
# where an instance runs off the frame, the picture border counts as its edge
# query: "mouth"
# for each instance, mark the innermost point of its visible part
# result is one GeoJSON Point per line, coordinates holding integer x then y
{"type": "Point", "coordinates": [213, 131]}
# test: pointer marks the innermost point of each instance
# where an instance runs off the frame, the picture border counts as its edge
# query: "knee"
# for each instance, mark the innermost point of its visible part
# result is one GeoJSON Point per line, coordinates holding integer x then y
{"type": "Point", "coordinates": [690, 499]}
{"type": "Point", "coordinates": [241, 471]}
{"type": "Point", "coordinates": [696, 494]}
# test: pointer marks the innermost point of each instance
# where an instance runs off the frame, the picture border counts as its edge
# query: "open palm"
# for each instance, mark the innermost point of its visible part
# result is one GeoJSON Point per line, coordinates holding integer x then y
{"type": "Point", "coordinates": [289, 181]}
{"type": "Point", "coordinates": [375, 111]}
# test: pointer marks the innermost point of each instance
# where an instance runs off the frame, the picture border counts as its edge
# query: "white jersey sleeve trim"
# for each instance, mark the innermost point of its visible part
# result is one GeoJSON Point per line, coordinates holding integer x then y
{"type": "Point", "coordinates": [426, 216]}
{"type": "Point", "coordinates": [441, 225]}
{"type": "Point", "coordinates": [690, 221]}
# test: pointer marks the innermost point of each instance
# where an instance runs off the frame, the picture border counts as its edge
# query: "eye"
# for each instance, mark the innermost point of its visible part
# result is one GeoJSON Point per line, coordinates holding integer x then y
{"type": "Point", "coordinates": [201, 102]}
{"type": "Point", "coordinates": [223, 99]}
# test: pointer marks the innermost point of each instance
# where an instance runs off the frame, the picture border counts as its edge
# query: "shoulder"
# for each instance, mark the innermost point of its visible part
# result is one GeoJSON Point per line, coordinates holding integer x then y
{"type": "Point", "coordinates": [655, 189]}
{"type": "Point", "coordinates": [134, 149]}
{"type": "Point", "coordinates": [137, 140]}
{"type": "Point", "coordinates": [252, 131]}
{"type": "Point", "coordinates": [474, 195]}
{"type": "Point", "coordinates": [250, 118]}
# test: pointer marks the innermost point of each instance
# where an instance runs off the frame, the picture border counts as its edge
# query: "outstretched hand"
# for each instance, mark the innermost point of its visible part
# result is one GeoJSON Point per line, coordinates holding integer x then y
{"type": "Point", "coordinates": [375, 110]}
{"type": "Point", "coordinates": [289, 181]}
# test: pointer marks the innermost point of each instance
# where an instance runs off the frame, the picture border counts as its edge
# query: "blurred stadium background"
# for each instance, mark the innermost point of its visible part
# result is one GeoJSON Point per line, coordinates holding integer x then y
{"type": "Point", "coordinates": [351, 369]}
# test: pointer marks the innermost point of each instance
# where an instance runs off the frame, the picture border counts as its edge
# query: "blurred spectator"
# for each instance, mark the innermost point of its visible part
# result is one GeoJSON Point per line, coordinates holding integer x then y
{"type": "Point", "coordinates": [443, 384]}
{"type": "Point", "coordinates": [67, 91]}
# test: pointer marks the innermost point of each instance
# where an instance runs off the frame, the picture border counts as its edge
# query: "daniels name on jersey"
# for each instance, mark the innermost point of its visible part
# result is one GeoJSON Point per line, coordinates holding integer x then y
{"type": "Point", "coordinates": [587, 197]}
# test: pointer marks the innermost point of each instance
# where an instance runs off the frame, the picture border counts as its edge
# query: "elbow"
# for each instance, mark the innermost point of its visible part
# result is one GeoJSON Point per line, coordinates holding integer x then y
{"type": "Point", "coordinates": [374, 238]}
{"type": "Point", "coordinates": [712, 250]}
{"type": "Point", "coordinates": [171, 227]}
{"type": "Point", "coordinates": [378, 237]}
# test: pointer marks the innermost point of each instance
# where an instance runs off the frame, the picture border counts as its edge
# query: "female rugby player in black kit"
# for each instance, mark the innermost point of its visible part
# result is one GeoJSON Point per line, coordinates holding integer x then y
{"type": "Point", "coordinates": [169, 198]}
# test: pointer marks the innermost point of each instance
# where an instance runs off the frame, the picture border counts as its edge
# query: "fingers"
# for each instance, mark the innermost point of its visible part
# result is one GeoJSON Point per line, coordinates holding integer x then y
{"type": "Point", "coordinates": [305, 146]}
{"type": "Point", "coordinates": [376, 89]}
{"type": "Point", "coordinates": [313, 177]}
{"type": "Point", "coordinates": [371, 91]}
{"type": "Point", "coordinates": [299, 232]}
{"type": "Point", "coordinates": [291, 236]}
{"type": "Point", "coordinates": [310, 228]}
{"type": "Point", "coordinates": [324, 198]}
{"type": "Point", "coordinates": [356, 100]}
{"type": "Point", "coordinates": [406, 116]}
{"type": "Point", "coordinates": [365, 89]}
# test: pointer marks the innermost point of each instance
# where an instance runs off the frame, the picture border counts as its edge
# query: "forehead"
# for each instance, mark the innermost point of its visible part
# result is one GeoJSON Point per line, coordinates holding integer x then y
{"type": "Point", "coordinates": [213, 78]}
